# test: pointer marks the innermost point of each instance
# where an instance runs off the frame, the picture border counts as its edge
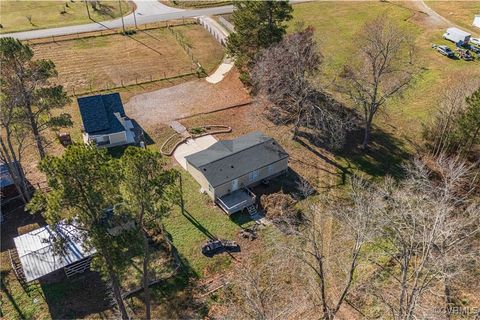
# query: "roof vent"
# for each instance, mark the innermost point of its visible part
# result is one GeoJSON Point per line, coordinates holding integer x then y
{"type": "Point", "coordinates": [231, 166]}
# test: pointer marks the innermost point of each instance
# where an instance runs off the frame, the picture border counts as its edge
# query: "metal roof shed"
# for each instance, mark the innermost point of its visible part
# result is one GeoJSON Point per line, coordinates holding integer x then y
{"type": "Point", "coordinates": [37, 254]}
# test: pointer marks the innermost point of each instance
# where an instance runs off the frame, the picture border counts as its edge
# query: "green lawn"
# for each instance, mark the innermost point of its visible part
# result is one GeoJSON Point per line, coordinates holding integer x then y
{"type": "Point", "coordinates": [15, 14]}
{"type": "Point", "coordinates": [336, 28]}
{"type": "Point", "coordinates": [190, 231]}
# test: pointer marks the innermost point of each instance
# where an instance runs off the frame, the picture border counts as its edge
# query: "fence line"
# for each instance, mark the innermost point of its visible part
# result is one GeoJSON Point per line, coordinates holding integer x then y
{"type": "Point", "coordinates": [183, 43]}
{"type": "Point", "coordinates": [91, 90]}
{"type": "Point", "coordinates": [110, 32]}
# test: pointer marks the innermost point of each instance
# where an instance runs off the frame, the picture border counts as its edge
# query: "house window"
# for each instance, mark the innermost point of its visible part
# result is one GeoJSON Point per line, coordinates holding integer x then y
{"type": "Point", "coordinates": [252, 176]}
{"type": "Point", "coordinates": [270, 169]}
{"type": "Point", "coordinates": [234, 184]}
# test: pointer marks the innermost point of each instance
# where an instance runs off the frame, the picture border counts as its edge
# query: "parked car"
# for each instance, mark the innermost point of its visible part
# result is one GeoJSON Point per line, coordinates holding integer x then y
{"type": "Point", "coordinates": [213, 247]}
{"type": "Point", "coordinates": [446, 51]}
{"type": "Point", "coordinates": [475, 41]}
{"type": "Point", "coordinates": [474, 49]}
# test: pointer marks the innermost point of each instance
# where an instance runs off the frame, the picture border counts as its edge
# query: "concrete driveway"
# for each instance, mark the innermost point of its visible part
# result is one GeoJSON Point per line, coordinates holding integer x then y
{"type": "Point", "coordinates": [192, 146]}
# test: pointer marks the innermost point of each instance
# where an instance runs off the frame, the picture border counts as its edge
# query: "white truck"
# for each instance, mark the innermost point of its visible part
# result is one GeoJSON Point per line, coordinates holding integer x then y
{"type": "Point", "coordinates": [457, 36]}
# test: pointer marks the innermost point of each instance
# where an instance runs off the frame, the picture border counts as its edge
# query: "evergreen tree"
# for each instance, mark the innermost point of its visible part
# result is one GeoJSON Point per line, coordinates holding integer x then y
{"type": "Point", "coordinates": [84, 186]}
{"type": "Point", "coordinates": [26, 83]}
{"type": "Point", "coordinates": [469, 122]}
{"type": "Point", "coordinates": [258, 24]}
{"type": "Point", "coordinates": [145, 188]}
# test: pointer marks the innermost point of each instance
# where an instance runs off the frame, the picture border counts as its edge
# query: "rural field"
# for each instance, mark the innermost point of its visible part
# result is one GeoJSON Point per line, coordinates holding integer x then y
{"type": "Point", "coordinates": [108, 61]}
{"type": "Point", "coordinates": [18, 15]}
{"type": "Point", "coordinates": [100, 62]}
{"type": "Point", "coordinates": [404, 116]}
{"type": "Point", "coordinates": [459, 12]}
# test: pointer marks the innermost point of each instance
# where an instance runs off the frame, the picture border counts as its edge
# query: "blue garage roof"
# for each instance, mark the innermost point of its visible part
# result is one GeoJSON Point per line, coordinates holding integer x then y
{"type": "Point", "coordinates": [98, 113]}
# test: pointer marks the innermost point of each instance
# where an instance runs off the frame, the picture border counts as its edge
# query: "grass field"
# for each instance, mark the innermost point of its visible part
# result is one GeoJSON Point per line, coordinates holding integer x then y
{"type": "Point", "coordinates": [459, 12]}
{"type": "Point", "coordinates": [113, 60]}
{"type": "Point", "coordinates": [15, 14]}
{"type": "Point", "coordinates": [404, 115]}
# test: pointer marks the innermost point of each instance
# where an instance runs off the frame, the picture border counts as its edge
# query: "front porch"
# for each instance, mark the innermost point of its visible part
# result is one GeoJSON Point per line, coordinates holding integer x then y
{"type": "Point", "coordinates": [237, 200]}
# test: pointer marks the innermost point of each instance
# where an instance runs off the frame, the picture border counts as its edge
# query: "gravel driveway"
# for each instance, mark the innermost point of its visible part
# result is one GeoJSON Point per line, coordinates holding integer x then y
{"type": "Point", "coordinates": [164, 105]}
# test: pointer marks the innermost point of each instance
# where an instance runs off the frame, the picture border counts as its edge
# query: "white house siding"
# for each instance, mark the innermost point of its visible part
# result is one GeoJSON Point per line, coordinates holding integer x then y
{"type": "Point", "coordinates": [246, 180]}
{"type": "Point", "coordinates": [118, 138]}
{"type": "Point", "coordinates": [200, 178]}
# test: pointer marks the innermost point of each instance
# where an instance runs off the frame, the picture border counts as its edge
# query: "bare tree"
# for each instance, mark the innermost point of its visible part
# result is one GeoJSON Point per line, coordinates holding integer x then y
{"type": "Point", "coordinates": [332, 241]}
{"type": "Point", "coordinates": [266, 288]}
{"type": "Point", "coordinates": [383, 68]}
{"type": "Point", "coordinates": [440, 133]}
{"type": "Point", "coordinates": [284, 75]}
{"type": "Point", "coordinates": [13, 142]}
{"type": "Point", "coordinates": [427, 223]}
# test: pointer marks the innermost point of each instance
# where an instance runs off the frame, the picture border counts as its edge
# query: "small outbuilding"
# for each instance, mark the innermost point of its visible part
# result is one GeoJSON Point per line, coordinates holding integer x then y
{"type": "Point", "coordinates": [227, 169]}
{"type": "Point", "coordinates": [104, 121]}
{"type": "Point", "coordinates": [37, 255]}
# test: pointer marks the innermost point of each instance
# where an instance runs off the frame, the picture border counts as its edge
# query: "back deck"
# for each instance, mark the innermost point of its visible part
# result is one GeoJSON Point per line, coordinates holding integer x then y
{"type": "Point", "coordinates": [237, 200]}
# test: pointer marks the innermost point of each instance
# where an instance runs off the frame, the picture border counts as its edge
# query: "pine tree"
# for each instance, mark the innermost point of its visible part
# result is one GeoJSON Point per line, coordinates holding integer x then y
{"type": "Point", "coordinates": [258, 24]}
{"type": "Point", "coordinates": [84, 185]}
{"type": "Point", "coordinates": [26, 83]}
{"type": "Point", "coordinates": [145, 189]}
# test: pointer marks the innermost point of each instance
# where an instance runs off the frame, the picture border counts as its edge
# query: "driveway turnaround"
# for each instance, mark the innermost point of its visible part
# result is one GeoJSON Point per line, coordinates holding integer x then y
{"type": "Point", "coordinates": [147, 11]}
{"type": "Point", "coordinates": [192, 146]}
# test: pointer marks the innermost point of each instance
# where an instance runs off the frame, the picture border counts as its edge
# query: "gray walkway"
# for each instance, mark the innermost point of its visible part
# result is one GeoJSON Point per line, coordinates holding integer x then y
{"type": "Point", "coordinates": [148, 11]}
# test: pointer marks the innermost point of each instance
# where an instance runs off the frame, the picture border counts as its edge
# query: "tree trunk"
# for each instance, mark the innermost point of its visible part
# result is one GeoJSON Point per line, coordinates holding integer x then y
{"type": "Point", "coordinates": [36, 134]}
{"type": "Point", "coordinates": [367, 131]}
{"type": "Point", "coordinates": [447, 298]}
{"type": "Point", "coordinates": [146, 289]}
{"type": "Point", "coordinates": [116, 287]}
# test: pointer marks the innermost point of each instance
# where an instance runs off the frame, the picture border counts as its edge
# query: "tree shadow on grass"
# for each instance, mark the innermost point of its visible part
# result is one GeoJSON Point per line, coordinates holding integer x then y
{"type": "Point", "coordinates": [9, 296]}
{"type": "Point", "coordinates": [76, 297]}
{"type": "Point", "coordinates": [385, 154]}
{"type": "Point", "coordinates": [198, 225]}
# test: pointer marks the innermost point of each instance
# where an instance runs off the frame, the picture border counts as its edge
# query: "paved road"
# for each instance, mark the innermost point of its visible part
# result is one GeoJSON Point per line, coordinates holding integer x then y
{"type": "Point", "coordinates": [147, 11]}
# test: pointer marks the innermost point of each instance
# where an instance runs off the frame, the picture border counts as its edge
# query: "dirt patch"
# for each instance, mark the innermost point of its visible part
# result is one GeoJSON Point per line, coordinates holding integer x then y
{"type": "Point", "coordinates": [425, 16]}
{"type": "Point", "coordinates": [162, 106]}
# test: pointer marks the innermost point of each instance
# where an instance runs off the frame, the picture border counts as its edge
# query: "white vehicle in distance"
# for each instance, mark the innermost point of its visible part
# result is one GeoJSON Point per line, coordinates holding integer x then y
{"type": "Point", "coordinates": [457, 36]}
{"type": "Point", "coordinates": [475, 41]}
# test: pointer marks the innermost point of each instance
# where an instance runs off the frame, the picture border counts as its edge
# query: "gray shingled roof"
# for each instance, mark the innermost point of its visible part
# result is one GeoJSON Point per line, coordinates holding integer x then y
{"type": "Point", "coordinates": [229, 159]}
{"type": "Point", "coordinates": [98, 113]}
